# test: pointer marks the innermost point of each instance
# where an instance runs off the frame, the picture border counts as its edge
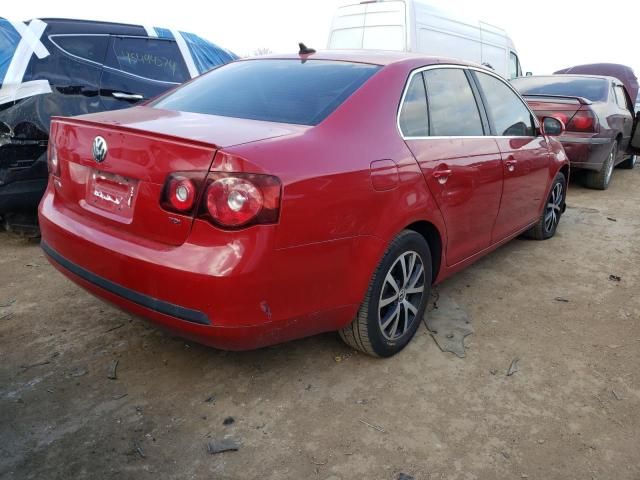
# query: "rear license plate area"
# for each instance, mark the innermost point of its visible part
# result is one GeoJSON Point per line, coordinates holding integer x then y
{"type": "Point", "coordinates": [111, 195]}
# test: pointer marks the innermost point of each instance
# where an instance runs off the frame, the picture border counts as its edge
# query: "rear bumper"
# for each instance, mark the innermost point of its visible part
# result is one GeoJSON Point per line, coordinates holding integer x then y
{"type": "Point", "coordinates": [586, 152]}
{"type": "Point", "coordinates": [237, 338]}
{"type": "Point", "coordinates": [233, 293]}
{"type": "Point", "coordinates": [125, 293]}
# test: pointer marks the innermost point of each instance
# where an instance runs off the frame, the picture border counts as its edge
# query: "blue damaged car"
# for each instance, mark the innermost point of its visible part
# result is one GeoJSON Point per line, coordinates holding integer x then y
{"type": "Point", "coordinates": [71, 67]}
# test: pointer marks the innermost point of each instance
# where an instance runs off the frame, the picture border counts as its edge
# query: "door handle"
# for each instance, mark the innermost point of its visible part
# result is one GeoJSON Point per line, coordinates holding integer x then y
{"type": "Point", "coordinates": [511, 165]}
{"type": "Point", "coordinates": [127, 96]}
{"type": "Point", "coordinates": [442, 175]}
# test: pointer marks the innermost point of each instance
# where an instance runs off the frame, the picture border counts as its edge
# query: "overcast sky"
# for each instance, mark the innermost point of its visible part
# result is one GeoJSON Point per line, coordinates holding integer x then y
{"type": "Point", "coordinates": [548, 34]}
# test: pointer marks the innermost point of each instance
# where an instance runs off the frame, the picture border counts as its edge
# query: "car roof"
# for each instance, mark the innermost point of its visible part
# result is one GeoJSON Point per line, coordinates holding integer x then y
{"type": "Point", "coordinates": [71, 25]}
{"type": "Point", "coordinates": [374, 57]}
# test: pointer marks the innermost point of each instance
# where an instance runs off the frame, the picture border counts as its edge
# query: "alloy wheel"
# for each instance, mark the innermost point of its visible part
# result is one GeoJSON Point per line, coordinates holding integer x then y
{"type": "Point", "coordinates": [554, 207]}
{"type": "Point", "coordinates": [401, 295]}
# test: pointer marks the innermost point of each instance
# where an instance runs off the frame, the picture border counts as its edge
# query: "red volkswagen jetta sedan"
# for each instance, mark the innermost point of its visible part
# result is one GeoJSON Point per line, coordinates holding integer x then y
{"type": "Point", "coordinates": [281, 197]}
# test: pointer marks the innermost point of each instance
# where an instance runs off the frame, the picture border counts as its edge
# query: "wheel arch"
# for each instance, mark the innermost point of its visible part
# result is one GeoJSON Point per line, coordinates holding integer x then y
{"type": "Point", "coordinates": [434, 239]}
{"type": "Point", "coordinates": [565, 171]}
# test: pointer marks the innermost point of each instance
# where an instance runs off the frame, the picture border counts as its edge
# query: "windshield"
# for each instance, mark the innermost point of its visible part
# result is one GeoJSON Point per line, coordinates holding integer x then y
{"type": "Point", "coordinates": [285, 91]}
{"type": "Point", "coordinates": [594, 89]}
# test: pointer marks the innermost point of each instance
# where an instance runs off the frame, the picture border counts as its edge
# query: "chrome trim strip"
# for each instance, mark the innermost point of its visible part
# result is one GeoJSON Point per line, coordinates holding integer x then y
{"type": "Point", "coordinates": [592, 141]}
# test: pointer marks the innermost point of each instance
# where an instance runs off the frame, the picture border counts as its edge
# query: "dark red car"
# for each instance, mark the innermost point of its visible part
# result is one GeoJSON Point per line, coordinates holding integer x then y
{"type": "Point", "coordinates": [277, 198]}
{"type": "Point", "coordinates": [599, 118]}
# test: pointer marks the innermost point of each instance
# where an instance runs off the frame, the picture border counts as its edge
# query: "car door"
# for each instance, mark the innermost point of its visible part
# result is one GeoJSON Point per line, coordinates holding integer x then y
{"type": "Point", "coordinates": [462, 167]}
{"type": "Point", "coordinates": [624, 108]}
{"type": "Point", "coordinates": [634, 143]}
{"type": "Point", "coordinates": [73, 69]}
{"type": "Point", "coordinates": [526, 160]}
{"type": "Point", "coordinates": [139, 68]}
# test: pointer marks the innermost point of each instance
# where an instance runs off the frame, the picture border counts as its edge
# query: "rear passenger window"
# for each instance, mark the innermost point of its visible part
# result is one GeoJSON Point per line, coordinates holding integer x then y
{"type": "Point", "coordinates": [509, 115]}
{"type": "Point", "coordinates": [152, 58]}
{"type": "Point", "coordinates": [87, 47]}
{"type": "Point", "coordinates": [453, 110]}
{"type": "Point", "coordinates": [413, 115]}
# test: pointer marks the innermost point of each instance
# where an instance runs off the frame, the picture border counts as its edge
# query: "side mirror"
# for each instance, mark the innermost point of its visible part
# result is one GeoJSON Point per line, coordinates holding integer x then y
{"type": "Point", "coordinates": [529, 74]}
{"type": "Point", "coordinates": [552, 126]}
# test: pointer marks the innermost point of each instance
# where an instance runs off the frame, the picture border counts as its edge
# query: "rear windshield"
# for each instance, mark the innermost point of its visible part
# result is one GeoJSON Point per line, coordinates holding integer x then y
{"type": "Point", "coordinates": [286, 91]}
{"type": "Point", "coordinates": [594, 89]}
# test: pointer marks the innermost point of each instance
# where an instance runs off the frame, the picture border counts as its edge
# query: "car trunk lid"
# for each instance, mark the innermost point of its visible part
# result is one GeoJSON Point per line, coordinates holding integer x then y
{"type": "Point", "coordinates": [561, 107]}
{"type": "Point", "coordinates": [199, 128]}
{"type": "Point", "coordinates": [144, 146]}
{"type": "Point", "coordinates": [122, 192]}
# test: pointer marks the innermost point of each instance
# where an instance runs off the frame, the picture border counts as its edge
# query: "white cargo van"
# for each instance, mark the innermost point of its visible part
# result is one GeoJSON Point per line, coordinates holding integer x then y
{"type": "Point", "coordinates": [413, 26]}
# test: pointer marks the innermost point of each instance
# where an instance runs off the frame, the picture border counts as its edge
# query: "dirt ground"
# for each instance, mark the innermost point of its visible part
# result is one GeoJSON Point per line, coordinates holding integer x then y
{"type": "Point", "coordinates": [316, 409]}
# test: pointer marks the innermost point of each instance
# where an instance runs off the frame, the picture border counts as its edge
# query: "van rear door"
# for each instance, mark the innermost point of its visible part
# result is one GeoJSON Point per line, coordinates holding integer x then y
{"type": "Point", "coordinates": [370, 25]}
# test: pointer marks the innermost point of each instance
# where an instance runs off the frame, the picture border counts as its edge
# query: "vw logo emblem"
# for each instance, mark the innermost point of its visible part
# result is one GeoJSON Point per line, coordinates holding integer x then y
{"type": "Point", "coordinates": [99, 149]}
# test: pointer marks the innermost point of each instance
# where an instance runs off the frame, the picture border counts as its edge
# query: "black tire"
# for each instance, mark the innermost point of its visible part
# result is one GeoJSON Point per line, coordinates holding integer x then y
{"type": "Point", "coordinates": [552, 211]}
{"type": "Point", "coordinates": [629, 163]}
{"type": "Point", "coordinates": [367, 332]}
{"type": "Point", "coordinates": [600, 180]}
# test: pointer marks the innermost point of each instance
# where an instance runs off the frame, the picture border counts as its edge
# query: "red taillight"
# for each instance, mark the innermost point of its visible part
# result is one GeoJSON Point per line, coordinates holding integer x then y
{"type": "Point", "coordinates": [53, 162]}
{"type": "Point", "coordinates": [229, 200]}
{"type": "Point", "coordinates": [234, 200]}
{"type": "Point", "coordinates": [182, 194]}
{"type": "Point", "coordinates": [582, 121]}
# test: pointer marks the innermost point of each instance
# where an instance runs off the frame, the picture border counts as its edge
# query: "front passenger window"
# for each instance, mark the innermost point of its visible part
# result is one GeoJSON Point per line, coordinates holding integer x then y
{"type": "Point", "coordinates": [509, 116]}
{"type": "Point", "coordinates": [514, 66]}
